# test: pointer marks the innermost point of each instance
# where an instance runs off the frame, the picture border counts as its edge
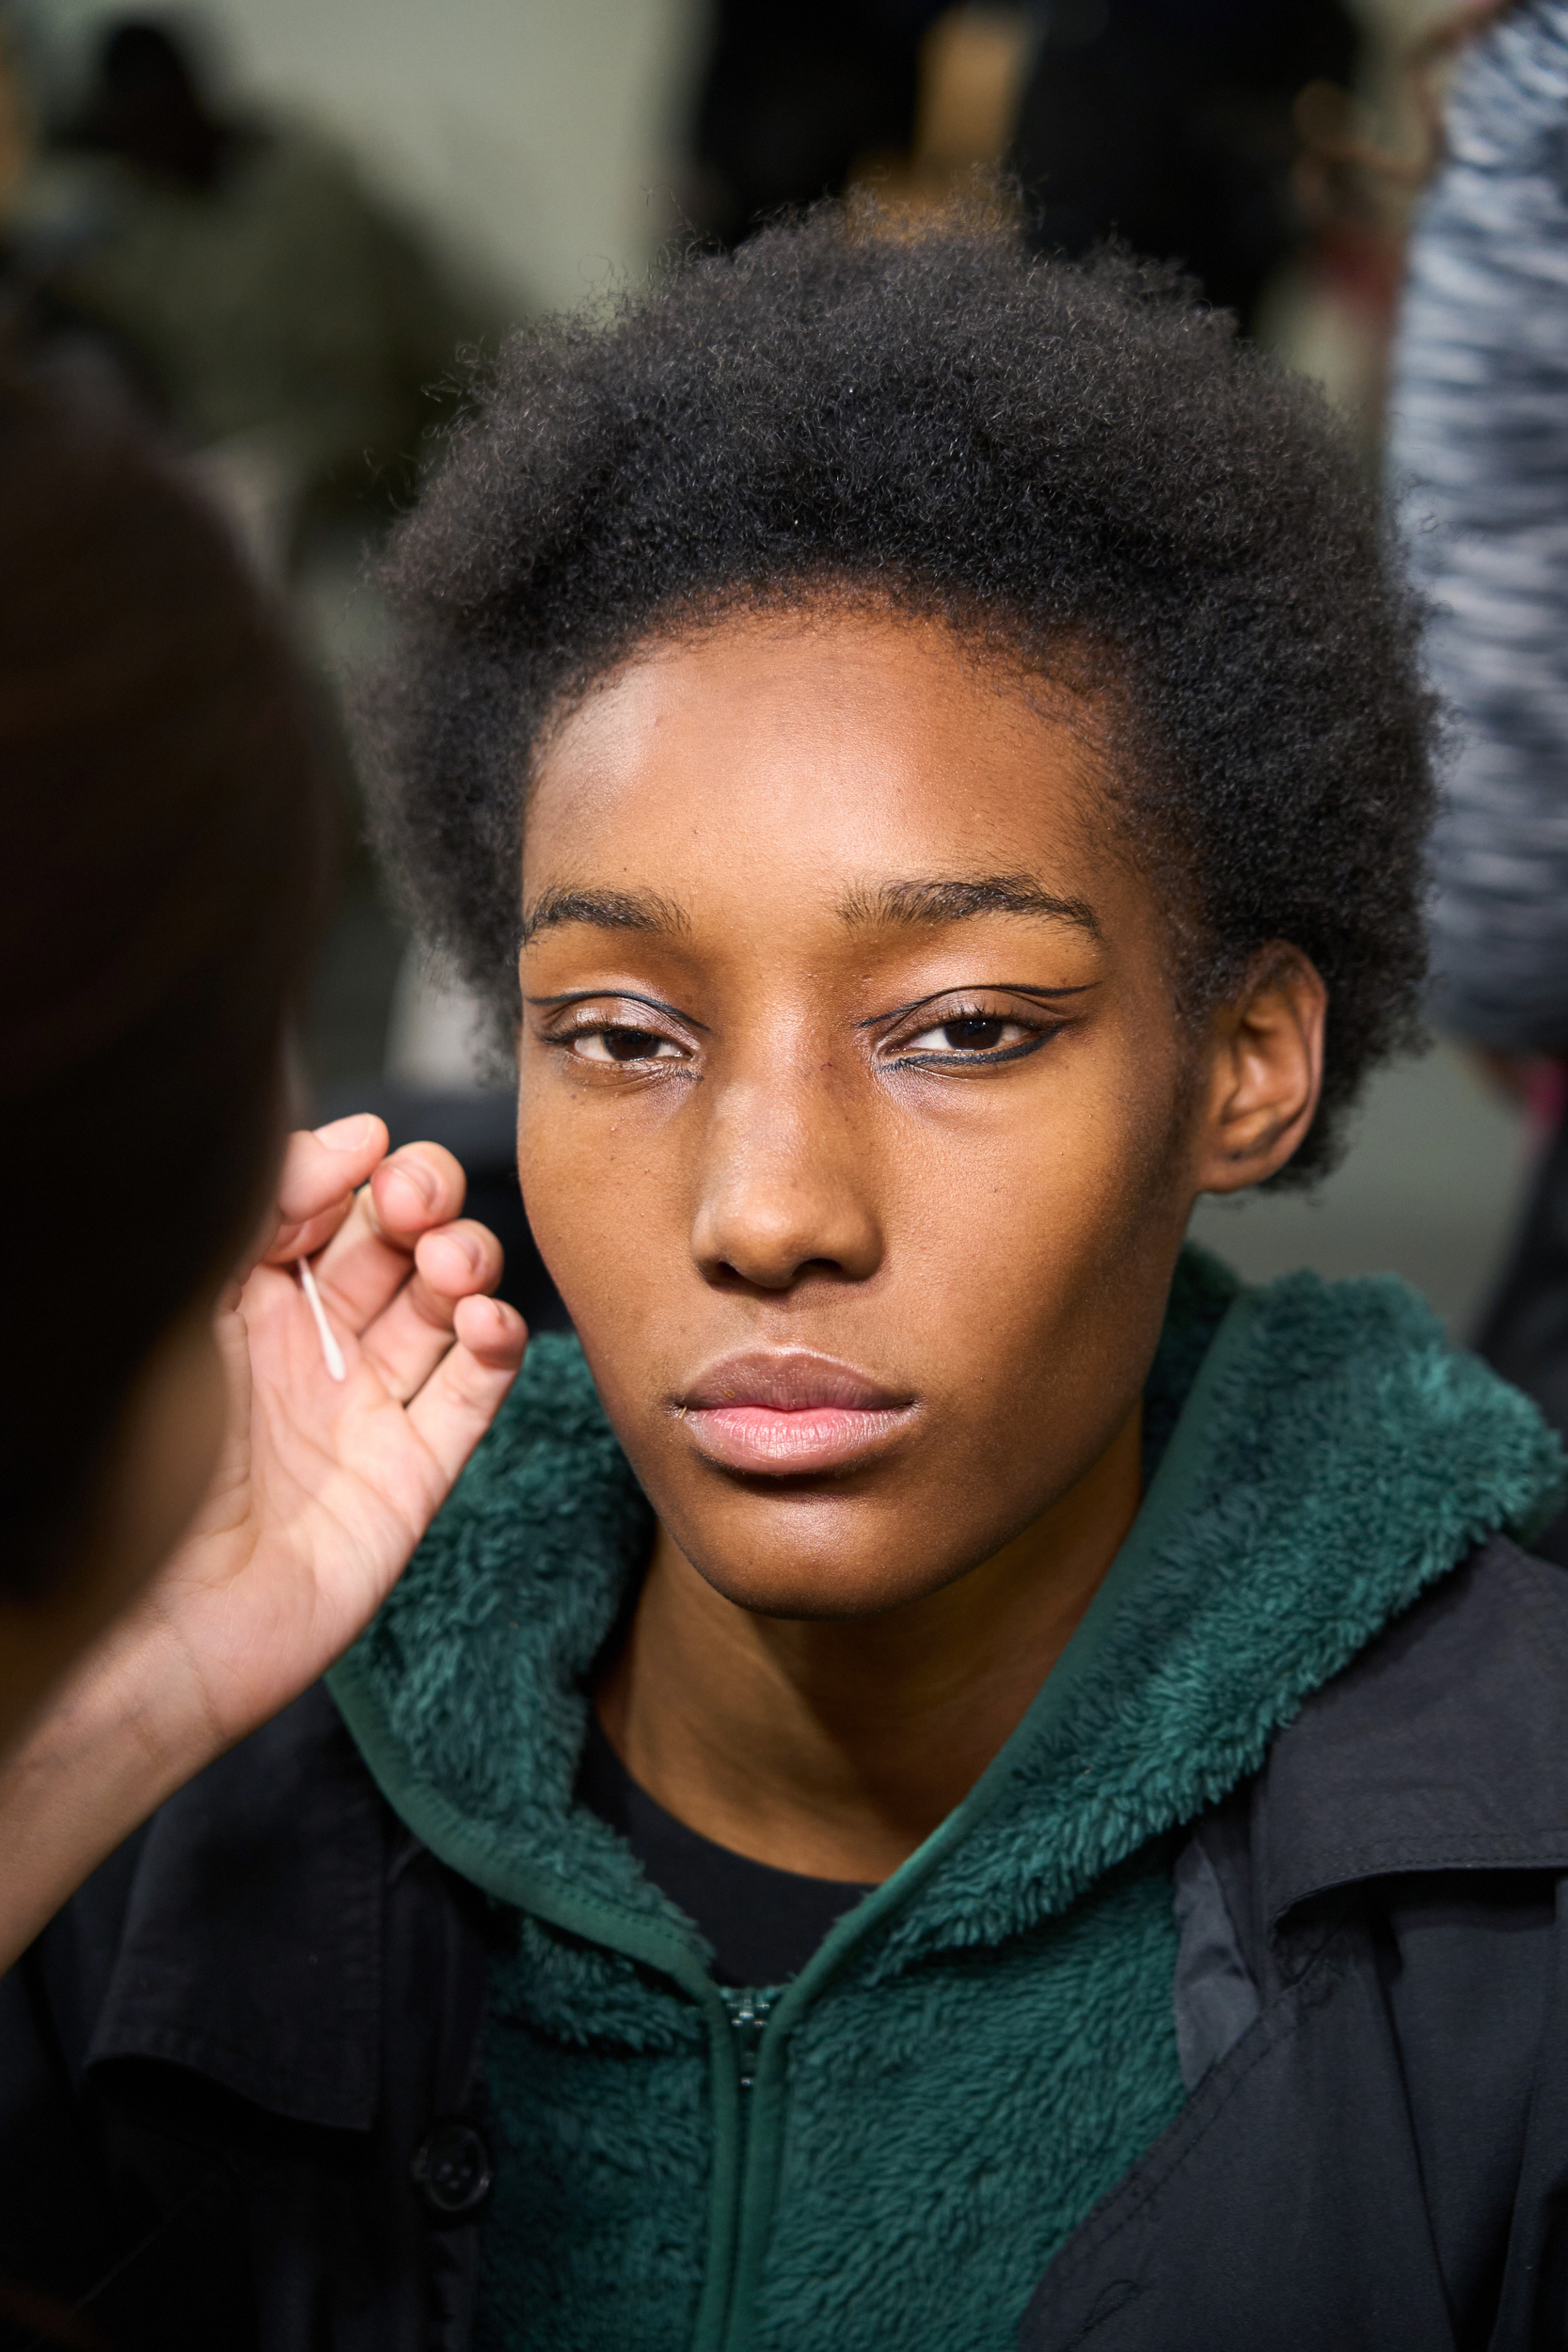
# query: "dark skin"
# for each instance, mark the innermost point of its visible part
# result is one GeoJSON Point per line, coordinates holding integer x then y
{"type": "Point", "coordinates": [850, 1042]}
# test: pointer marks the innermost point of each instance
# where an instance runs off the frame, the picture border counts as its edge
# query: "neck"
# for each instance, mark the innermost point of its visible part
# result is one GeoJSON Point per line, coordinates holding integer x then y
{"type": "Point", "coordinates": [836, 1747]}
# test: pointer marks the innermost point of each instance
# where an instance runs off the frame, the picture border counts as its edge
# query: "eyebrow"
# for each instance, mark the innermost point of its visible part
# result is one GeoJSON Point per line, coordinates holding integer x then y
{"type": "Point", "coordinates": [604, 909]}
{"type": "Point", "coordinates": [952, 901]}
{"type": "Point", "coordinates": [867, 906]}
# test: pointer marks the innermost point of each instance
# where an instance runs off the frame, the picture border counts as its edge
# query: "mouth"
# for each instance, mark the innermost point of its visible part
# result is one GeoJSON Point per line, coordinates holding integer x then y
{"type": "Point", "coordinates": [790, 1414]}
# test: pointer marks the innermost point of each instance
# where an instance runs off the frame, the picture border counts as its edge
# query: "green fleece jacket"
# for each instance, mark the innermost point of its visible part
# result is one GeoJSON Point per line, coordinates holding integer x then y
{"type": "Point", "coordinates": [983, 2046]}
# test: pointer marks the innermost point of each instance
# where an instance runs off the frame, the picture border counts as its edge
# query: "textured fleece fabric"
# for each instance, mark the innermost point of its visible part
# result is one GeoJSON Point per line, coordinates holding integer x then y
{"type": "Point", "coordinates": [985, 2043]}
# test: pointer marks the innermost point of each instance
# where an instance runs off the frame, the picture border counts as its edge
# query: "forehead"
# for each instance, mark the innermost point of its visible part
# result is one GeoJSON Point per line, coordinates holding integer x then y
{"type": "Point", "coordinates": [782, 748]}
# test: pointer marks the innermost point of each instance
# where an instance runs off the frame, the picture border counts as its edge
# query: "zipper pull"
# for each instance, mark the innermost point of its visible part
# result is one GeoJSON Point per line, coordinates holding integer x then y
{"type": "Point", "coordinates": [748, 2011]}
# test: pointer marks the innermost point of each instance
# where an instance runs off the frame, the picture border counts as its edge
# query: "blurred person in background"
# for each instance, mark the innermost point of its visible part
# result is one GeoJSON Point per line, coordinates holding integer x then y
{"type": "Point", "coordinates": [287, 333]}
{"type": "Point", "coordinates": [287, 323]}
{"type": "Point", "coordinates": [196, 1516]}
{"type": "Point", "coordinates": [794, 100]}
{"type": "Point", "coordinates": [1479, 462]}
{"type": "Point", "coordinates": [1171, 123]}
{"type": "Point", "coordinates": [74, 354]}
{"type": "Point", "coordinates": [1179, 126]}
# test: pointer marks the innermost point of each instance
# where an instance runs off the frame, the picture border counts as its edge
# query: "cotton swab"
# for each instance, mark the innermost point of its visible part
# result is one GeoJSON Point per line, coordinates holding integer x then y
{"type": "Point", "coordinates": [331, 1352]}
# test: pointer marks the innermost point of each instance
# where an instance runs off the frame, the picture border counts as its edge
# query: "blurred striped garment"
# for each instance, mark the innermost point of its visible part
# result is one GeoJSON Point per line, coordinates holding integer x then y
{"type": "Point", "coordinates": [1479, 462]}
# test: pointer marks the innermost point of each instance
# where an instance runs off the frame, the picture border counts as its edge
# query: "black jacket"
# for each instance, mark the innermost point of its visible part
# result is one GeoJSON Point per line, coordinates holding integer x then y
{"type": "Point", "coordinates": [239, 2103]}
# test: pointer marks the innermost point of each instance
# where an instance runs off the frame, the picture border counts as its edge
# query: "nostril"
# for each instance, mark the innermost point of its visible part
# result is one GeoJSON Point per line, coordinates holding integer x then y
{"type": "Point", "coordinates": [724, 1274]}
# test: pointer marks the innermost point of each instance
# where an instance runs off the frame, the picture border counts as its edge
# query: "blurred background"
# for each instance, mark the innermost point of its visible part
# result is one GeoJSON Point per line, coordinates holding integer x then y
{"type": "Point", "coordinates": [283, 228]}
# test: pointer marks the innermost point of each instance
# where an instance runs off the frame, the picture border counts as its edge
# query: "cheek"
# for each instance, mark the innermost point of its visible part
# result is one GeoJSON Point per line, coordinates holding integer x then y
{"type": "Point", "coordinates": [603, 1190]}
{"type": "Point", "coordinates": [1038, 1256]}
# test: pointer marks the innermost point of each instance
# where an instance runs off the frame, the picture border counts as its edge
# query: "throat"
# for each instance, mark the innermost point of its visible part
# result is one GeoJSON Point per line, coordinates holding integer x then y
{"type": "Point", "coordinates": [762, 1924]}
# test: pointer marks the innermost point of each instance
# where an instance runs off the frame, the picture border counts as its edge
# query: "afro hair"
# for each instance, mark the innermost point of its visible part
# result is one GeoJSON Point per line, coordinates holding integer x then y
{"type": "Point", "coordinates": [1062, 456]}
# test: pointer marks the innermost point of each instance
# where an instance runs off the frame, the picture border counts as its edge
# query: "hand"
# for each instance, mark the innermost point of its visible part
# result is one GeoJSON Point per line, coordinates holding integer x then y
{"type": "Point", "coordinates": [322, 1491]}
{"type": "Point", "coordinates": [324, 1486]}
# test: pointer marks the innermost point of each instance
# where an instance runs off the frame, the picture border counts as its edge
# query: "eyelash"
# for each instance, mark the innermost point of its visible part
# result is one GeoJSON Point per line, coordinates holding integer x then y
{"type": "Point", "coordinates": [1036, 1034]}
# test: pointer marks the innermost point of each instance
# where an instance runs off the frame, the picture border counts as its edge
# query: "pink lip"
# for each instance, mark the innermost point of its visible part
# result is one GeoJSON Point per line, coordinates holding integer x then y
{"type": "Point", "coordinates": [790, 1414]}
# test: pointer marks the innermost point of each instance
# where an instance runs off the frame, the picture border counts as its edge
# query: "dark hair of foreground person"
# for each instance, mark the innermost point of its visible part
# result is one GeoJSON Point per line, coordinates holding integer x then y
{"type": "Point", "coordinates": [165, 794]}
{"type": "Point", "coordinates": [212, 1469]}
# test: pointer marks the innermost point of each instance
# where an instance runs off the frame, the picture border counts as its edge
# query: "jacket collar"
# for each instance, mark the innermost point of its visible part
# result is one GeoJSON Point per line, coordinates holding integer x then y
{"type": "Point", "coordinates": [251, 1951]}
{"type": "Point", "coordinates": [1331, 1459]}
{"type": "Point", "coordinates": [1441, 1748]}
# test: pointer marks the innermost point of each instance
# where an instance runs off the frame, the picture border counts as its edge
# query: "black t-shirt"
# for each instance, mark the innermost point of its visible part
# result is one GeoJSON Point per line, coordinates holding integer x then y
{"type": "Point", "coordinates": [763, 1924]}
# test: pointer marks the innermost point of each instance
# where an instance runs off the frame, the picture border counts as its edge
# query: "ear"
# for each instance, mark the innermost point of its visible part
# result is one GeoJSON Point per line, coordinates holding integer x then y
{"type": "Point", "coordinates": [1265, 1071]}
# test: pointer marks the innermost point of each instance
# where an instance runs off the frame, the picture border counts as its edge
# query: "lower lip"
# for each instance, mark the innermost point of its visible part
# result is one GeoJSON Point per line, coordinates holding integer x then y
{"type": "Point", "coordinates": [814, 1438]}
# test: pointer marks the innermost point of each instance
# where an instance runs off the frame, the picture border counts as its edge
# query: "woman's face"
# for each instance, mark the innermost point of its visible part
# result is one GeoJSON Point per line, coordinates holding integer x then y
{"type": "Point", "coordinates": [854, 1123]}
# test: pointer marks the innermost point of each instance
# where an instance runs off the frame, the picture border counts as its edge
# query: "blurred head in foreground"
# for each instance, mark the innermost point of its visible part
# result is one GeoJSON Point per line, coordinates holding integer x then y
{"type": "Point", "coordinates": [941, 730]}
{"type": "Point", "coordinates": [163, 794]}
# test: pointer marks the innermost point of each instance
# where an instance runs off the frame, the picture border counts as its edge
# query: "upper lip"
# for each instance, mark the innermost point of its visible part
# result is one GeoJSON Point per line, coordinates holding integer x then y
{"type": "Point", "coordinates": [788, 1380]}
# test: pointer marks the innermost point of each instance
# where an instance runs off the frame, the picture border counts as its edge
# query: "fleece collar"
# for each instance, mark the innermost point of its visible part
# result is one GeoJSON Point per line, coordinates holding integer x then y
{"type": "Point", "coordinates": [1324, 1457]}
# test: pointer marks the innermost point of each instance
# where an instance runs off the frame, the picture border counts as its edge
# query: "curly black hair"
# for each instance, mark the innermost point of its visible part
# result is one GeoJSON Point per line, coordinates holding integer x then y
{"type": "Point", "coordinates": [1067, 456]}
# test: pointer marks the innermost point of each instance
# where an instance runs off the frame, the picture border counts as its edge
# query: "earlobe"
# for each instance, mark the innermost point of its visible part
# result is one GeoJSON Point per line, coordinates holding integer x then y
{"type": "Point", "coordinates": [1265, 1071]}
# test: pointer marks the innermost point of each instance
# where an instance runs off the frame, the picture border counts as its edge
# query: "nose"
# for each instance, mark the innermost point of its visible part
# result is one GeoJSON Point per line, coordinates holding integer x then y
{"type": "Point", "coordinates": [788, 1185]}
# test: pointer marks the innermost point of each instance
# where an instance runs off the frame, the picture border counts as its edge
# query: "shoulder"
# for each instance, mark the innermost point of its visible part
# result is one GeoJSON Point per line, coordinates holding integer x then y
{"type": "Point", "coordinates": [1440, 1747]}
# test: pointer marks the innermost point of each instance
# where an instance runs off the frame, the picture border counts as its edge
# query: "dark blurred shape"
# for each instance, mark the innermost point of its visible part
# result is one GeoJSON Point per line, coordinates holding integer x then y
{"type": "Point", "coordinates": [38, 331]}
{"type": "Point", "coordinates": [1525, 1333]}
{"type": "Point", "coordinates": [481, 1127]}
{"type": "Point", "coordinates": [165, 792]}
{"type": "Point", "coordinates": [1169, 123]}
{"type": "Point", "coordinates": [148, 110]}
{"type": "Point", "coordinates": [40, 2319]}
{"type": "Point", "coordinates": [287, 319]}
{"type": "Point", "coordinates": [793, 99]}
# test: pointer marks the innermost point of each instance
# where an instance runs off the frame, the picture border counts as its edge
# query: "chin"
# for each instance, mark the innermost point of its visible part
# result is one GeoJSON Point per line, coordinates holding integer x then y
{"type": "Point", "coordinates": [777, 1581]}
{"type": "Point", "coordinates": [813, 1600]}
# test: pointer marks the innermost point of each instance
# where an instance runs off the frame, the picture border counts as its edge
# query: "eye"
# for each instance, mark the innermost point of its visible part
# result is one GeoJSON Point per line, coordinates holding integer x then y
{"type": "Point", "coordinates": [971, 1036]}
{"type": "Point", "coordinates": [971, 1033]}
{"type": "Point", "coordinates": [615, 1045]}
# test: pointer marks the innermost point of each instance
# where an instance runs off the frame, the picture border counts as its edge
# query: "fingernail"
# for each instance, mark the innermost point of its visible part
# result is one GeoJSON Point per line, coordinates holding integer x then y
{"type": "Point", "coordinates": [419, 1176]}
{"type": "Point", "coordinates": [347, 1135]}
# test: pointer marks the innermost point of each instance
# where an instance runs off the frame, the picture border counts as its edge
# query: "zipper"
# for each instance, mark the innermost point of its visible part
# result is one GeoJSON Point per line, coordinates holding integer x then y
{"type": "Point", "coordinates": [747, 2009]}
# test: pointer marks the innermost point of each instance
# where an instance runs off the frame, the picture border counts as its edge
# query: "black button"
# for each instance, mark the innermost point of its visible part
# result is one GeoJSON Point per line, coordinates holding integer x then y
{"type": "Point", "coordinates": [453, 2169]}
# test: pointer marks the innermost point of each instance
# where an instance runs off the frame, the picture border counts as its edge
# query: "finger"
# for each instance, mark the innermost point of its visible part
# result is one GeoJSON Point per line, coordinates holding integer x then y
{"type": "Point", "coordinates": [420, 1185]}
{"type": "Point", "coordinates": [321, 1172]}
{"type": "Point", "coordinates": [462, 1395]}
{"type": "Point", "coordinates": [458, 1261]}
{"type": "Point", "coordinates": [369, 1258]}
{"type": "Point", "coordinates": [407, 1340]}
